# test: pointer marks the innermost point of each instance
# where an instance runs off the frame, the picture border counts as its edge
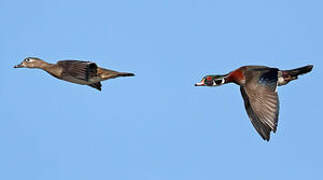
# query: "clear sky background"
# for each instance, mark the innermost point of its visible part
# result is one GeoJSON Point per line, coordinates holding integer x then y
{"type": "Point", "coordinates": [157, 125]}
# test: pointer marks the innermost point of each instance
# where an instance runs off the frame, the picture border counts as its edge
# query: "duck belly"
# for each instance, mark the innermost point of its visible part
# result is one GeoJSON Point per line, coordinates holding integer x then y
{"type": "Point", "coordinates": [80, 81]}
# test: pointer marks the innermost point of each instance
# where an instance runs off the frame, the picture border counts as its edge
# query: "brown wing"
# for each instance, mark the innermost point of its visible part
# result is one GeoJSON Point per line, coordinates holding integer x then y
{"type": "Point", "coordinates": [262, 105]}
{"type": "Point", "coordinates": [82, 70]}
{"type": "Point", "coordinates": [96, 85]}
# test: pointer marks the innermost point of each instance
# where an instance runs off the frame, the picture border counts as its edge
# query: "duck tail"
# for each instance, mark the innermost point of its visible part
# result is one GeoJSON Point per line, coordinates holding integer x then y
{"type": "Point", "coordinates": [108, 74]}
{"type": "Point", "coordinates": [299, 71]}
{"type": "Point", "coordinates": [290, 75]}
{"type": "Point", "coordinates": [125, 74]}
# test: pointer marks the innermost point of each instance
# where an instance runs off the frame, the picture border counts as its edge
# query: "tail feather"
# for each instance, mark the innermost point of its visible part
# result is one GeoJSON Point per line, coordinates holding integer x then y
{"type": "Point", "coordinates": [290, 75]}
{"type": "Point", "coordinates": [125, 74]}
{"type": "Point", "coordinates": [108, 74]}
{"type": "Point", "coordinates": [300, 71]}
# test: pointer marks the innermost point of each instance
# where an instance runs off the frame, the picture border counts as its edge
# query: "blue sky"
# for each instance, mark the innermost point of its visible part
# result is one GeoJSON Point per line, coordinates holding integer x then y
{"type": "Point", "coordinates": [157, 125]}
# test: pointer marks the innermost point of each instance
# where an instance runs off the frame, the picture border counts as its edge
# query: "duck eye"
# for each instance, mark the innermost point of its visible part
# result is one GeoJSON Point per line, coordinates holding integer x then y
{"type": "Point", "coordinates": [27, 59]}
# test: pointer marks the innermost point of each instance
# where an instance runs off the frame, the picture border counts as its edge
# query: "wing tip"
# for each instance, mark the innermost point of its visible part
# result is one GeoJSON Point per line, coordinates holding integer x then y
{"type": "Point", "coordinates": [266, 138]}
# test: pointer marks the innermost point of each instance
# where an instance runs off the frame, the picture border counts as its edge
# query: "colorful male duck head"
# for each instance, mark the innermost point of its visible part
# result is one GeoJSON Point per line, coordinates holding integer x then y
{"type": "Point", "coordinates": [212, 80]}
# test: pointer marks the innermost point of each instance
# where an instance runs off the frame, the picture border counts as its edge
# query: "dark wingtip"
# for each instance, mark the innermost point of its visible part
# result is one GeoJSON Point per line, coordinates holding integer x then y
{"type": "Point", "coordinates": [266, 138]}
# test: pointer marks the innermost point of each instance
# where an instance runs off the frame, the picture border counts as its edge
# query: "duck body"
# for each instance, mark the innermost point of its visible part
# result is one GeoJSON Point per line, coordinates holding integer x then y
{"type": "Point", "coordinates": [258, 87]}
{"type": "Point", "coordinates": [75, 71]}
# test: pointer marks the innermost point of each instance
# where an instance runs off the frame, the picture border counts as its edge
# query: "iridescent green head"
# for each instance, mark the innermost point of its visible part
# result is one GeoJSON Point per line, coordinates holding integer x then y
{"type": "Point", "coordinates": [212, 80]}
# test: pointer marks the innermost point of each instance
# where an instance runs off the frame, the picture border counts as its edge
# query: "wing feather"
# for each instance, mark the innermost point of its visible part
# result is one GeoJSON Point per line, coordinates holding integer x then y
{"type": "Point", "coordinates": [262, 106]}
{"type": "Point", "coordinates": [96, 85]}
{"type": "Point", "coordinates": [82, 70]}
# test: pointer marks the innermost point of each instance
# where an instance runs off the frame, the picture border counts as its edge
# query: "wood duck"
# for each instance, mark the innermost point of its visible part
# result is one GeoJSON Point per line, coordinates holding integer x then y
{"type": "Point", "coordinates": [75, 71]}
{"type": "Point", "coordinates": [258, 86]}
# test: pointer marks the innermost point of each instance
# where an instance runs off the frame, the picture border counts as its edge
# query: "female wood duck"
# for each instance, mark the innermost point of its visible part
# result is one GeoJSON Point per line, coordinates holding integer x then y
{"type": "Point", "coordinates": [79, 72]}
{"type": "Point", "coordinates": [258, 86]}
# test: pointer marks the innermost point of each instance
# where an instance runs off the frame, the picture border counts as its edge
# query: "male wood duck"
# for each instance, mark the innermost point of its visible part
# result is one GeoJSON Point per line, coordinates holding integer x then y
{"type": "Point", "coordinates": [258, 86]}
{"type": "Point", "coordinates": [75, 71]}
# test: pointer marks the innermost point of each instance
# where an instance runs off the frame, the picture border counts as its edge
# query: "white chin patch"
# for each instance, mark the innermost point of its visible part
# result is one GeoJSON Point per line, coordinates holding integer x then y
{"type": "Point", "coordinates": [281, 80]}
{"type": "Point", "coordinates": [215, 84]}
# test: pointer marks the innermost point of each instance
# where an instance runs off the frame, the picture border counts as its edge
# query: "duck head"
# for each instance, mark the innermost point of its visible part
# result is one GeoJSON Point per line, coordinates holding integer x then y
{"type": "Point", "coordinates": [30, 62]}
{"type": "Point", "coordinates": [212, 80]}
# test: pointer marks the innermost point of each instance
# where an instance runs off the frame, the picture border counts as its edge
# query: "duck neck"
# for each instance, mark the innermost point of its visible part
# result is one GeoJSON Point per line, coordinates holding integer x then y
{"type": "Point", "coordinates": [225, 78]}
{"type": "Point", "coordinates": [235, 76]}
{"type": "Point", "coordinates": [52, 69]}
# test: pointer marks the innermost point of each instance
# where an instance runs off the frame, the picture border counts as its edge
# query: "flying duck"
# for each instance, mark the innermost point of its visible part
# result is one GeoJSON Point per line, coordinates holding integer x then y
{"type": "Point", "coordinates": [75, 71]}
{"type": "Point", "coordinates": [258, 86]}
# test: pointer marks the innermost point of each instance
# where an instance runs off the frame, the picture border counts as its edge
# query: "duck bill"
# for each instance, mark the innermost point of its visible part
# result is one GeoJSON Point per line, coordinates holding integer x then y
{"type": "Point", "coordinates": [19, 66]}
{"type": "Point", "coordinates": [200, 83]}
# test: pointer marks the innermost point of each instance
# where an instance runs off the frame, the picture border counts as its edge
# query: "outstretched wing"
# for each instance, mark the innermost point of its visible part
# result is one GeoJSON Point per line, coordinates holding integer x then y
{"type": "Point", "coordinates": [262, 103]}
{"type": "Point", "coordinates": [81, 70]}
{"type": "Point", "coordinates": [96, 85]}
